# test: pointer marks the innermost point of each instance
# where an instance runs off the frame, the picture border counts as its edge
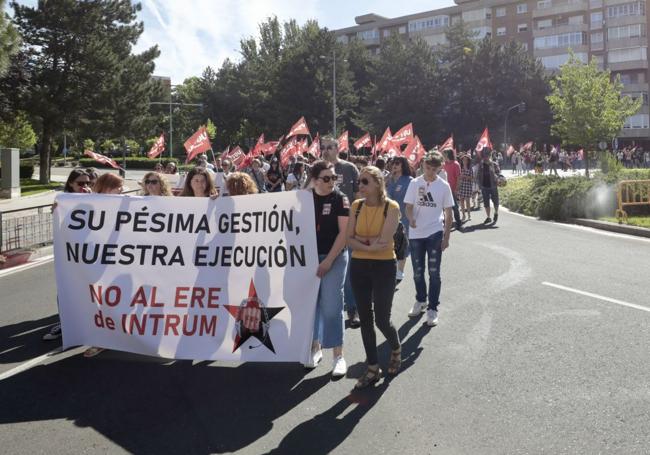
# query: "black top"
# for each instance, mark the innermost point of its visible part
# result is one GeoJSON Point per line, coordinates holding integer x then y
{"type": "Point", "coordinates": [328, 209]}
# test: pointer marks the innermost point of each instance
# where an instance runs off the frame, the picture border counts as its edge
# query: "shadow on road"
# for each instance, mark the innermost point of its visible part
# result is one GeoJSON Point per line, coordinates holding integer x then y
{"type": "Point", "coordinates": [148, 407]}
{"type": "Point", "coordinates": [23, 341]}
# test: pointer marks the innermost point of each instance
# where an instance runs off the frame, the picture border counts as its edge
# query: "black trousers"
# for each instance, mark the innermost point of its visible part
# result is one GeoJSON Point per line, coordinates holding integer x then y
{"type": "Point", "coordinates": [373, 284]}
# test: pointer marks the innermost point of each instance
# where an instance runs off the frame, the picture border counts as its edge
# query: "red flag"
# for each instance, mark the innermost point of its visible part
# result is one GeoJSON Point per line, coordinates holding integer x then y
{"type": "Point", "coordinates": [236, 156]}
{"type": "Point", "coordinates": [364, 141]}
{"type": "Point", "coordinates": [290, 149]}
{"type": "Point", "coordinates": [269, 148]}
{"type": "Point", "coordinates": [448, 144]}
{"type": "Point", "coordinates": [314, 148]}
{"type": "Point", "coordinates": [254, 152]}
{"type": "Point", "coordinates": [484, 141]}
{"type": "Point", "coordinates": [343, 142]}
{"type": "Point", "coordinates": [157, 147]}
{"type": "Point", "coordinates": [393, 150]}
{"type": "Point", "coordinates": [385, 140]}
{"type": "Point", "coordinates": [300, 127]}
{"type": "Point", "coordinates": [198, 143]}
{"type": "Point", "coordinates": [257, 150]}
{"type": "Point", "coordinates": [510, 151]}
{"type": "Point", "coordinates": [404, 135]}
{"type": "Point", "coordinates": [527, 146]}
{"type": "Point", "coordinates": [414, 152]}
{"type": "Point", "coordinates": [102, 159]}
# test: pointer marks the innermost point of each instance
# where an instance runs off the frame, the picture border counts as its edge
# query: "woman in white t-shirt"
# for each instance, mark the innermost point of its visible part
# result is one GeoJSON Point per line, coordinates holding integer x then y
{"type": "Point", "coordinates": [296, 180]}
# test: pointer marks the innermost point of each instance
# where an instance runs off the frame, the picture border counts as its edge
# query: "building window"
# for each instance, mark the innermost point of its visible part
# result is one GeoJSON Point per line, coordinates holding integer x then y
{"type": "Point", "coordinates": [544, 23]}
{"type": "Point", "coordinates": [597, 18]}
{"type": "Point", "coordinates": [385, 33]}
{"type": "Point", "coordinates": [629, 54]}
{"type": "Point", "coordinates": [501, 12]}
{"type": "Point", "coordinates": [555, 61]}
{"type": "Point", "coordinates": [596, 38]}
{"type": "Point", "coordinates": [501, 31]}
{"type": "Point", "coordinates": [428, 23]}
{"type": "Point", "coordinates": [544, 4]}
{"type": "Point", "coordinates": [481, 32]}
{"type": "Point", "coordinates": [488, 14]}
{"type": "Point", "coordinates": [522, 8]}
{"type": "Point", "coordinates": [595, 4]}
{"type": "Point", "coordinates": [625, 32]}
{"type": "Point", "coordinates": [522, 28]}
{"type": "Point", "coordinates": [638, 95]}
{"type": "Point", "coordinates": [402, 29]}
{"type": "Point", "coordinates": [626, 9]}
{"type": "Point", "coordinates": [564, 40]}
{"type": "Point", "coordinates": [368, 34]}
{"type": "Point", "coordinates": [524, 46]}
{"type": "Point", "coordinates": [636, 121]}
{"type": "Point", "coordinates": [342, 39]}
{"type": "Point", "coordinates": [474, 15]}
{"type": "Point", "coordinates": [576, 20]}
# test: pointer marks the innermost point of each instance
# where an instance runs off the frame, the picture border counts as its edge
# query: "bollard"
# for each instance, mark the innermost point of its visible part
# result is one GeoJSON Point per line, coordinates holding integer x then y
{"type": "Point", "coordinates": [10, 185]}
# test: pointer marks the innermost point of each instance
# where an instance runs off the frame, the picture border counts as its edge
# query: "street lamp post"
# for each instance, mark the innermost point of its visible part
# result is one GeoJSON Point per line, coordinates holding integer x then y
{"type": "Point", "coordinates": [522, 107]}
{"type": "Point", "coordinates": [171, 120]}
{"type": "Point", "coordinates": [333, 89]}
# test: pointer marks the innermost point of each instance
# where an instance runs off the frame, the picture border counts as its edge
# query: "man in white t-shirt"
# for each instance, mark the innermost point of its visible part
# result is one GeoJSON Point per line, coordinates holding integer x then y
{"type": "Point", "coordinates": [429, 203]}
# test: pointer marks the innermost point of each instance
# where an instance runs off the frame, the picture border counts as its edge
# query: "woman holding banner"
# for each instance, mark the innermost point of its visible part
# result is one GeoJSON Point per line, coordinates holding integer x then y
{"type": "Point", "coordinates": [373, 222]}
{"type": "Point", "coordinates": [332, 209]}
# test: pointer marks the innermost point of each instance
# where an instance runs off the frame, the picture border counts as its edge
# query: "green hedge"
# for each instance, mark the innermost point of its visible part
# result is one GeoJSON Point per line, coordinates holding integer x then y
{"type": "Point", "coordinates": [25, 170]}
{"type": "Point", "coordinates": [560, 199]}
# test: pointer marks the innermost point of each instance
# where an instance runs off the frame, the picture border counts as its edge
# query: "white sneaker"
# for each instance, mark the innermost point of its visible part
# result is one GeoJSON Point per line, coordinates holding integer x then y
{"type": "Point", "coordinates": [432, 318]}
{"type": "Point", "coordinates": [315, 359]}
{"type": "Point", "coordinates": [340, 367]}
{"type": "Point", "coordinates": [418, 309]}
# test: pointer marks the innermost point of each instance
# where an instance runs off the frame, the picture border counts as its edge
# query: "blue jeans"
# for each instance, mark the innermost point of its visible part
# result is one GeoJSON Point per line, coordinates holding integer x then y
{"type": "Point", "coordinates": [350, 302]}
{"type": "Point", "coordinates": [328, 323]}
{"type": "Point", "coordinates": [422, 249]}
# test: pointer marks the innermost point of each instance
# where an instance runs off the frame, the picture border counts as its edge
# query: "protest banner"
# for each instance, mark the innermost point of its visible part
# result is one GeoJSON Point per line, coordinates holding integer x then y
{"type": "Point", "coordinates": [188, 278]}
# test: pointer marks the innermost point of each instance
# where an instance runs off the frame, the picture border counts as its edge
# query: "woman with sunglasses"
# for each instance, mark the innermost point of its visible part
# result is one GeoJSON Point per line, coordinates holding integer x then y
{"type": "Point", "coordinates": [154, 184]}
{"type": "Point", "coordinates": [332, 209]}
{"type": "Point", "coordinates": [78, 182]}
{"type": "Point", "coordinates": [274, 177]}
{"type": "Point", "coordinates": [373, 222]}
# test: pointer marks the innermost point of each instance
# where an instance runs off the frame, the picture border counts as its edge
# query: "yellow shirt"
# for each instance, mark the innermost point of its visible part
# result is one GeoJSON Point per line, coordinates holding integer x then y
{"type": "Point", "coordinates": [369, 224]}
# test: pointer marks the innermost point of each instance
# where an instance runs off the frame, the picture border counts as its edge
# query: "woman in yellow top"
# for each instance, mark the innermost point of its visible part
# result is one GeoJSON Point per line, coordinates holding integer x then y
{"type": "Point", "coordinates": [373, 221]}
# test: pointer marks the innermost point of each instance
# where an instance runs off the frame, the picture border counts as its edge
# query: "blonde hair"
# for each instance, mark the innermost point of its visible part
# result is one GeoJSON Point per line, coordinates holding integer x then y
{"type": "Point", "coordinates": [165, 190]}
{"type": "Point", "coordinates": [377, 176]}
{"type": "Point", "coordinates": [240, 183]}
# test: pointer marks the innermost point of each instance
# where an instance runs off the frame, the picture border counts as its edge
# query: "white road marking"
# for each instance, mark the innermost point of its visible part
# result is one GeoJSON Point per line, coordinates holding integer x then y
{"type": "Point", "coordinates": [597, 296]}
{"type": "Point", "coordinates": [29, 364]}
{"type": "Point", "coordinates": [30, 265]}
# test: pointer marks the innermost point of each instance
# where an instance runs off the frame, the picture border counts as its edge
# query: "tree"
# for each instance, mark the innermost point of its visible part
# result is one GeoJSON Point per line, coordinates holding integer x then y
{"type": "Point", "coordinates": [9, 40]}
{"type": "Point", "coordinates": [17, 133]}
{"type": "Point", "coordinates": [81, 70]}
{"type": "Point", "coordinates": [587, 105]}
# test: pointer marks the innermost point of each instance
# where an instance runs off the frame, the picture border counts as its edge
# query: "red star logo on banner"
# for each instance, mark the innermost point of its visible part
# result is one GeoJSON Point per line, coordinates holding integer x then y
{"type": "Point", "coordinates": [253, 320]}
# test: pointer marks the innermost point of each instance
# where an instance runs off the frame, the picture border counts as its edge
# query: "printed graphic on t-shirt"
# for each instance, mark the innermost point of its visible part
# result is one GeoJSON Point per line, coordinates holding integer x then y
{"type": "Point", "coordinates": [346, 202]}
{"type": "Point", "coordinates": [327, 209]}
{"type": "Point", "coordinates": [425, 199]}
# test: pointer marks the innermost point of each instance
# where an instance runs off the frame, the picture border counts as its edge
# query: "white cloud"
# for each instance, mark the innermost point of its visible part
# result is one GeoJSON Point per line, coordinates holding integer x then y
{"type": "Point", "coordinates": [192, 36]}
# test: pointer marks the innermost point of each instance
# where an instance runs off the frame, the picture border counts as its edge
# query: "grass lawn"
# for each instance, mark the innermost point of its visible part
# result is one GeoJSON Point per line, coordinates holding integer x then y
{"type": "Point", "coordinates": [641, 221]}
{"type": "Point", "coordinates": [29, 187]}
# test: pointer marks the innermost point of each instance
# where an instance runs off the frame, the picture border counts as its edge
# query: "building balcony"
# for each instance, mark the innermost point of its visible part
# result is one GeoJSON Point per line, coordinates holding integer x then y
{"type": "Point", "coordinates": [626, 20]}
{"type": "Point", "coordinates": [634, 88]}
{"type": "Point", "coordinates": [595, 47]}
{"type": "Point", "coordinates": [631, 65]}
{"type": "Point", "coordinates": [538, 53]}
{"type": "Point", "coordinates": [370, 41]}
{"type": "Point", "coordinates": [627, 42]}
{"type": "Point", "coordinates": [561, 29]}
{"type": "Point", "coordinates": [634, 133]}
{"type": "Point", "coordinates": [561, 9]}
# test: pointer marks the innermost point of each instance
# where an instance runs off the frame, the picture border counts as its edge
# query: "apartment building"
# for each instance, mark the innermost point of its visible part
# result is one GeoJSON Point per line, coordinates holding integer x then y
{"type": "Point", "coordinates": [613, 32]}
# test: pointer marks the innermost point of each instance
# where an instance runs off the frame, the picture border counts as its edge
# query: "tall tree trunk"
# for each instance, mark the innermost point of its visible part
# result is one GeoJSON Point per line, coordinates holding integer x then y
{"type": "Point", "coordinates": [46, 146]}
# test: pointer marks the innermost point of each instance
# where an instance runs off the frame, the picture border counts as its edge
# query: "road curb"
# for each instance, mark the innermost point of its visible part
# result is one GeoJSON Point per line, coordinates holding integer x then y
{"type": "Point", "coordinates": [613, 227]}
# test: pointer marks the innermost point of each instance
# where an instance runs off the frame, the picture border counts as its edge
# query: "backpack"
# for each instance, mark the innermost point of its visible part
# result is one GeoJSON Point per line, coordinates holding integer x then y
{"type": "Point", "coordinates": [399, 238]}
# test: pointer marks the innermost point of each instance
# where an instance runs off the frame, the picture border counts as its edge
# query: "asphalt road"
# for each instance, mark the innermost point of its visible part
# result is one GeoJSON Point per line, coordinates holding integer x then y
{"type": "Point", "coordinates": [515, 367]}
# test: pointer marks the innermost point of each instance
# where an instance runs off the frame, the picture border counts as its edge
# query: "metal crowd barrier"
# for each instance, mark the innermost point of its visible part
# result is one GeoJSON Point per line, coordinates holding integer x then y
{"type": "Point", "coordinates": [631, 193]}
{"type": "Point", "coordinates": [28, 228]}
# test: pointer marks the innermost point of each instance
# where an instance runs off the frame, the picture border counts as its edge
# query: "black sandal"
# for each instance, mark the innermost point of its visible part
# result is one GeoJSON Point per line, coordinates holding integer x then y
{"type": "Point", "coordinates": [371, 376]}
{"type": "Point", "coordinates": [395, 362]}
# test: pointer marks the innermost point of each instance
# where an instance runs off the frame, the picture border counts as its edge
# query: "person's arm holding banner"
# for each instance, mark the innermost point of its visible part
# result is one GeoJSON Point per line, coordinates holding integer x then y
{"type": "Point", "coordinates": [336, 249]}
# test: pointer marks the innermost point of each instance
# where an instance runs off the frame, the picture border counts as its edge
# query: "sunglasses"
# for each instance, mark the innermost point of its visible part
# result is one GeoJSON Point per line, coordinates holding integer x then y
{"type": "Point", "coordinates": [83, 183]}
{"type": "Point", "coordinates": [363, 181]}
{"type": "Point", "coordinates": [329, 178]}
{"type": "Point", "coordinates": [151, 182]}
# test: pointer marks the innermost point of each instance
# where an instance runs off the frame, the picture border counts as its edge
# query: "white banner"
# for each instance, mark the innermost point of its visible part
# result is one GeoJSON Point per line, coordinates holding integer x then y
{"type": "Point", "coordinates": [188, 278]}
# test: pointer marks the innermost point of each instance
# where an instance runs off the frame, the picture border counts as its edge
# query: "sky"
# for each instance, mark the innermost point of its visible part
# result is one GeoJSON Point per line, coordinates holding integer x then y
{"type": "Point", "coordinates": [195, 34]}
